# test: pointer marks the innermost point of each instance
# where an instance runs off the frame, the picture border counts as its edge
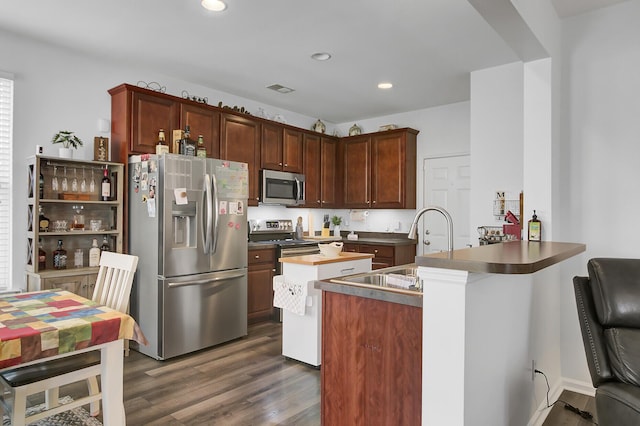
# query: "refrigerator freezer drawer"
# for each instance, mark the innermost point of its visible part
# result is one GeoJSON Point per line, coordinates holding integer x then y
{"type": "Point", "coordinates": [200, 311]}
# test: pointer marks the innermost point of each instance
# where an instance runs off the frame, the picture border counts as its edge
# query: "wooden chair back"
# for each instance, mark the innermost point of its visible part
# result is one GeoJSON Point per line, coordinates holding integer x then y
{"type": "Point", "coordinates": [115, 277]}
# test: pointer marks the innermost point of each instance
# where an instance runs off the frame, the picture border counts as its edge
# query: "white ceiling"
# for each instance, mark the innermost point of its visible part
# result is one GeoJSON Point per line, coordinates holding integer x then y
{"type": "Point", "coordinates": [426, 48]}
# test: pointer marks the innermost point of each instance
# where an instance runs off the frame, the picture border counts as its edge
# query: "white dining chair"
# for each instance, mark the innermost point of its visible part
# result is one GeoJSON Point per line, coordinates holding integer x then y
{"type": "Point", "coordinates": [113, 288]}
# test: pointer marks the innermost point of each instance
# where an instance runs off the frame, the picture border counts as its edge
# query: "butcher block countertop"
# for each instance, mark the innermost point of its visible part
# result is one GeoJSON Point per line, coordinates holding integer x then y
{"type": "Point", "coordinates": [513, 257]}
{"type": "Point", "coordinates": [319, 259]}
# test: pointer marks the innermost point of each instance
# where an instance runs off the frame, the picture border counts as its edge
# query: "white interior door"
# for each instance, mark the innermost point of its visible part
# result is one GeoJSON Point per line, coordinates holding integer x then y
{"type": "Point", "coordinates": [446, 184]}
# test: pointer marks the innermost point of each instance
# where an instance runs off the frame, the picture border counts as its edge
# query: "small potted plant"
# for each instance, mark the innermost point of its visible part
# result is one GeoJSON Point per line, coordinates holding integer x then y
{"type": "Point", "coordinates": [68, 141]}
{"type": "Point", "coordinates": [336, 220]}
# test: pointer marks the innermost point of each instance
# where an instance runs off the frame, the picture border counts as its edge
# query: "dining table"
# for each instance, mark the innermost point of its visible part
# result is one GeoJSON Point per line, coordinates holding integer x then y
{"type": "Point", "coordinates": [39, 326]}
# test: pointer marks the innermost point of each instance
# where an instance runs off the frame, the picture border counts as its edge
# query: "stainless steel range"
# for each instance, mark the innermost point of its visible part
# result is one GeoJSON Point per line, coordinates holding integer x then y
{"type": "Point", "coordinates": [280, 232]}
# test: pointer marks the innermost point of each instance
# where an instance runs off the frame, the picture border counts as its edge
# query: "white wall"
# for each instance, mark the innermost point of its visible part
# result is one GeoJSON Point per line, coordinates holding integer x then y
{"type": "Point", "coordinates": [601, 128]}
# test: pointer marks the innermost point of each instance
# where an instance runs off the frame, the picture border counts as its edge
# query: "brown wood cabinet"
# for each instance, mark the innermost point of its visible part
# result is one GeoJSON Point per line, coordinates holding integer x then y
{"type": "Point", "coordinates": [320, 171]}
{"type": "Point", "coordinates": [371, 362]}
{"type": "Point", "coordinates": [281, 148]}
{"type": "Point", "coordinates": [240, 141]}
{"type": "Point", "coordinates": [149, 115]}
{"type": "Point", "coordinates": [379, 170]}
{"type": "Point", "coordinates": [385, 256]}
{"type": "Point", "coordinates": [260, 285]}
{"type": "Point", "coordinates": [205, 122]}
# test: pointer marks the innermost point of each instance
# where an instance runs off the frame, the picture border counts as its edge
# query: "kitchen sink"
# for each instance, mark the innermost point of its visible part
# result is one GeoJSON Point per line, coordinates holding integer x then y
{"type": "Point", "coordinates": [402, 278]}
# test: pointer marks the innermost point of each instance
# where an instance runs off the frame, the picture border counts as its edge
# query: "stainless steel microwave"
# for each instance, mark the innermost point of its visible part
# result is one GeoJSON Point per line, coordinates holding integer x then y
{"type": "Point", "coordinates": [282, 188]}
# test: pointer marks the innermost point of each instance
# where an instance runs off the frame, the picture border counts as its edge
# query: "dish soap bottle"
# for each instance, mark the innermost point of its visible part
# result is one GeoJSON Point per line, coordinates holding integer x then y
{"type": "Point", "coordinates": [535, 228]}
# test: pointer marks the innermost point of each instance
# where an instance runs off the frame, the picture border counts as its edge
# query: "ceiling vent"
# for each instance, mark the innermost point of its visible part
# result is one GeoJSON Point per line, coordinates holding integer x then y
{"type": "Point", "coordinates": [280, 88]}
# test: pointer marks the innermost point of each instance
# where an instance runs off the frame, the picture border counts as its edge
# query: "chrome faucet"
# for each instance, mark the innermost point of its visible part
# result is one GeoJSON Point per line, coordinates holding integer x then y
{"type": "Point", "coordinates": [413, 231]}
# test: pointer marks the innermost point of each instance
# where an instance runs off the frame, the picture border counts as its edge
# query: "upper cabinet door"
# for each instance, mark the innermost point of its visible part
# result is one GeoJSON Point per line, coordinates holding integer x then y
{"type": "Point", "coordinates": [240, 141]}
{"type": "Point", "coordinates": [271, 147]}
{"type": "Point", "coordinates": [292, 149]}
{"type": "Point", "coordinates": [311, 170]}
{"type": "Point", "coordinates": [356, 163]}
{"type": "Point", "coordinates": [330, 193]}
{"type": "Point", "coordinates": [205, 122]}
{"type": "Point", "coordinates": [150, 114]}
{"type": "Point", "coordinates": [393, 177]}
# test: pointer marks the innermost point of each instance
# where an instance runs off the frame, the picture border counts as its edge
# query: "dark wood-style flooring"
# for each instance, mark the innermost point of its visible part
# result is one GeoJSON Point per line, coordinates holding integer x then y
{"type": "Point", "coordinates": [244, 382]}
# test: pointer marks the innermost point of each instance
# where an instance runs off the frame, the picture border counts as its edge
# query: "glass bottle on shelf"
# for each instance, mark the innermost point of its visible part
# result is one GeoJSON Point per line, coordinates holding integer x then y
{"type": "Point", "coordinates": [161, 147]}
{"type": "Point", "coordinates": [43, 221]}
{"type": "Point", "coordinates": [94, 253]}
{"type": "Point", "coordinates": [78, 258]}
{"type": "Point", "coordinates": [41, 185]}
{"type": "Point", "coordinates": [78, 218]}
{"type": "Point", "coordinates": [42, 256]}
{"type": "Point", "coordinates": [202, 150]}
{"type": "Point", "coordinates": [105, 244]}
{"type": "Point", "coordinates": [105, 193]}
{"type": "Point", "coordinates": [60, 257]}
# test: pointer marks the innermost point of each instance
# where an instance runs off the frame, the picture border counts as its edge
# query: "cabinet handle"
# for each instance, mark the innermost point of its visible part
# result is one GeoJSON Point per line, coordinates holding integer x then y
{"type": "Point", "coordinates": [279, 164]}
{"type": "Point", "coordinates": [374, 201]}
{"type": "Point", "coordinates": [286, 165]}
{"type": "Point", "coordinates": [376, 251]}
{"type": "Point", "coordinates": [318, 201]}
{"type": "Point", "coordinates": [257, 256]}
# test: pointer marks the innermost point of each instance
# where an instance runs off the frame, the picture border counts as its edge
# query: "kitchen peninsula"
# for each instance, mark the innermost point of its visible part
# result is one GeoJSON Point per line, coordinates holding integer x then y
{"type": "Point", "coordinates": [478, 337]}
{"type": "Point", "coordinates": [476, 347]}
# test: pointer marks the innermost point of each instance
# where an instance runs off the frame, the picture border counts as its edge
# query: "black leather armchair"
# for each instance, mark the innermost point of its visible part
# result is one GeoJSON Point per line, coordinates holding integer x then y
{"type": "Point", "coordinates": [608, 304]}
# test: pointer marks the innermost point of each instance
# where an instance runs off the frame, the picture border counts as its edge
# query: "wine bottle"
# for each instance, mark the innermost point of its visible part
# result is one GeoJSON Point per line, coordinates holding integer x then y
{"type": "Point", "coordinates": [94, 254]}
{"type": "Point", "coordinates": [42, 256]}
{"type": "Point", "coordinates": [41, 185]}
{"type": "Point", "coordinates": [60, 257]}
{"type": "Point", "coordinates": [202, 150]}
{"type": "Point", "coordinates": [161, 147]}
{"type": "Point", "coordinates": [105, 194]}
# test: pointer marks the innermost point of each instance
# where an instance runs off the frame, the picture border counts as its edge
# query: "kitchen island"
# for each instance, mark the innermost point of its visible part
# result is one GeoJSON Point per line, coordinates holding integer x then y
{"type": "Point", "coordinates": [302, 303]}
{"type": "Point", "coordinates": [483, 325]}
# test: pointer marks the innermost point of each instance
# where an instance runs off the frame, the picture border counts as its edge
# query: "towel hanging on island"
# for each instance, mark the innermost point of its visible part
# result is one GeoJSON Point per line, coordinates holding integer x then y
{"type": "Point", "coordinates": [289, 295]}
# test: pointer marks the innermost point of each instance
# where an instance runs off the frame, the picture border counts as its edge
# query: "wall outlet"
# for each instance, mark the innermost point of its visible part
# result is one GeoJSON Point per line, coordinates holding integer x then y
{"type": "Point", "coordinates": [533, 369]}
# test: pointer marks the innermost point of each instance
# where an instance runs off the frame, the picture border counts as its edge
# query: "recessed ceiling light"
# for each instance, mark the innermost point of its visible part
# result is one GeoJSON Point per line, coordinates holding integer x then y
{"type": "Point", "coordinates": [385, 85]}
{"type": "Point", "coordinates": [321, 56]}
{"type": "Point", "coordinates": [280, 88]}
{"type": "Point", "coordinates": [214, 5]}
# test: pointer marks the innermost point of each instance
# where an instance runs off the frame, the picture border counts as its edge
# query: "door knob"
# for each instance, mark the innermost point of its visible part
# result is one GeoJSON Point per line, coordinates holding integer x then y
{"type": "Point", "coordinates": [426, 232]}
{"type": "Point", "coordinates": [426, 242]}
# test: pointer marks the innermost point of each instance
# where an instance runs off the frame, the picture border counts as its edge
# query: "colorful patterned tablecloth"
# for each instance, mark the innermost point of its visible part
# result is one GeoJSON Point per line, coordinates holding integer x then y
{"type": "Point", "coordinates": [47, 323]}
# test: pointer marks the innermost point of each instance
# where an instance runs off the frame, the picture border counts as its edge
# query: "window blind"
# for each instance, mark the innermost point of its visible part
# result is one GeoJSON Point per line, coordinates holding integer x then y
{"type": "Point", "coordinates": [6, 135]}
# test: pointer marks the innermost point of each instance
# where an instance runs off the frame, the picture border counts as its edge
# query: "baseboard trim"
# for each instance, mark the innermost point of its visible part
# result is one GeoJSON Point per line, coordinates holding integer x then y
{"type": "Point", "coordinates": [563, 384]}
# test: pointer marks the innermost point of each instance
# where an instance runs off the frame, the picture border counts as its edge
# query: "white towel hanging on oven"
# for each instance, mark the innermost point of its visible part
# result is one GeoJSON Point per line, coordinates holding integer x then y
{"type": "Point", "coordinates": [289, 295]}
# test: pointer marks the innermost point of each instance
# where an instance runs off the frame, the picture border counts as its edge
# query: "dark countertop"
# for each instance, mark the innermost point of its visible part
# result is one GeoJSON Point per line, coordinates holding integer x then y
{"type": "Point", "coordinates": [373, 238]}
{"type": "Point", "coordinates": [513, 257]}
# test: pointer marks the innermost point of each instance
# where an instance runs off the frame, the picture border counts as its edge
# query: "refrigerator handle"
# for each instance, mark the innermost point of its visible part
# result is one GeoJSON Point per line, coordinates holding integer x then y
{"type": "Point", "coordinates": [215, 213]}
{"type": "Point", "coordinates": [206, 216]}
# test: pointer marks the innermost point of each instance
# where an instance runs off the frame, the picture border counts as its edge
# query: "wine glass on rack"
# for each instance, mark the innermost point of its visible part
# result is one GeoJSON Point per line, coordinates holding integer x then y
{"type": "Point", "coordinates": [54, 180]}
{"type": "Point", "coordinates": [74, 181]}
{"type": "Point", "coordinates": [83, 184]}
{"type": "Point", "coordinates": [92, 184]}
{"type": "Point", "coordinates": [65, 184]}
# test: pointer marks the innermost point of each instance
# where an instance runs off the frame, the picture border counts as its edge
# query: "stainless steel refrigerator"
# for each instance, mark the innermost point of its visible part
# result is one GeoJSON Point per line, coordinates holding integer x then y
{"type": "Point", "coordinates": [188, 225]}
